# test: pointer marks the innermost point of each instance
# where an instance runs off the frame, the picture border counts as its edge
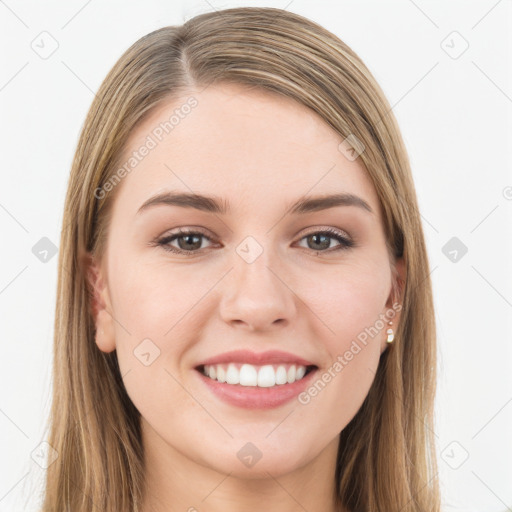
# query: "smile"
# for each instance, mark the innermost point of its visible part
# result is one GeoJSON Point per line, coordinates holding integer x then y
{"type": "Point", "coordinates": [264, 376]}
{"type": "Point", "coordinates": [256, 387]}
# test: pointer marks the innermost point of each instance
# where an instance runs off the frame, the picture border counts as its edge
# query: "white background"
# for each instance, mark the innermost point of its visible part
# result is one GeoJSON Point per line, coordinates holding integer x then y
{"type": "Point", "coordinates": [455, 116]}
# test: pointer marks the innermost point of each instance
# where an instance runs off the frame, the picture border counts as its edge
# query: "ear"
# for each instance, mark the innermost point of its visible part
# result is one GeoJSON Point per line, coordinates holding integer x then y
{"type": "Point", "coordinates": [395, 299]}
{"type": "Point", "coordinates": [99, 304]}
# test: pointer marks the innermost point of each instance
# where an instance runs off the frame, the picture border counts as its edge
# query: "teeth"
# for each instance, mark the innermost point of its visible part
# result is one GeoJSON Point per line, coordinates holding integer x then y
{"type": "Point", "coordinates": [248, 375]}
{"type": "Point", "coordinates": [292, 372]}
{"type": "Point", "coordinates": [232, 375]}
{"type": "Point", "coordinates": [301, 371]}
{"type": "Point", "coordinates": [281, 375]}
{"type": "Point", "coordinates": [265, 376]}
{"type": "Point", "coordinates": [221, 374]}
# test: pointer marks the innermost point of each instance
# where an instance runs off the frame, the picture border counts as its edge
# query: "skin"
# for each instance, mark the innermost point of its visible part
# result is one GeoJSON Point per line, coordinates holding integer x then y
{"type": "Point", "coordinates": [260, 152]}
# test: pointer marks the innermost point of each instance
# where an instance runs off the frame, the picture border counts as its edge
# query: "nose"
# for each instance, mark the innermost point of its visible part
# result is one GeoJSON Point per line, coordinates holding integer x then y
{"type": "Point", "coordinates": [256, 295]}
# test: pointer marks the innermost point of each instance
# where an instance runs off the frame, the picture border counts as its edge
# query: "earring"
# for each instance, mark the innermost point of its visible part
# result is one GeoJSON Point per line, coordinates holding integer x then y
{"type": "Point", "coordinates": [390, 334]}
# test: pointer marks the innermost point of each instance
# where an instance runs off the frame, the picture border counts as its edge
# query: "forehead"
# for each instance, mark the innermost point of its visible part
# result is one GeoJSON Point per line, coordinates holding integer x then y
{"type": "Point", "coordinates": [244, 144]}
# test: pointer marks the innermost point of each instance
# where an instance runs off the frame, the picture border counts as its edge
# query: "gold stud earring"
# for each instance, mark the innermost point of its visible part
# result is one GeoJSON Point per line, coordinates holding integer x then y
{"type": "Point", "coordinates": [390, 334]}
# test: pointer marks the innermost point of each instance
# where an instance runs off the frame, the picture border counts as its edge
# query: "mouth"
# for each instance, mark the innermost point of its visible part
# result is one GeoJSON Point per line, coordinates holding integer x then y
{"type": "Point", "coordinates": [250, 386]}
{"type": "Point", "coordinates": [261, 376]}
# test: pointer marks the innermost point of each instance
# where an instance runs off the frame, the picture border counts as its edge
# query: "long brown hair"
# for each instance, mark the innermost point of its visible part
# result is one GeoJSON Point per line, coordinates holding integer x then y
{"type": "Point", "coordinates": [386, 458]}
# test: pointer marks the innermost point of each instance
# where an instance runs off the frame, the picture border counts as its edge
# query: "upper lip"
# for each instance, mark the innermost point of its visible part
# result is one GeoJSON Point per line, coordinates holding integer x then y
{"type": "Point", "coordinates": [257, 358]}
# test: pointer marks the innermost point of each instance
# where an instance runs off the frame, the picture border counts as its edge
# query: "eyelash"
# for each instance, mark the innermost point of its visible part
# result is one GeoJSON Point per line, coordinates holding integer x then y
{"type": "Point", "coordinates": [164, 242]}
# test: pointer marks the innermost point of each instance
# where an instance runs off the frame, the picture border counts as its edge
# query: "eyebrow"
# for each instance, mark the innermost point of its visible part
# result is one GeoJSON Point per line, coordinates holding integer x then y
{"type": "Point", "coordinates": [214, 204]}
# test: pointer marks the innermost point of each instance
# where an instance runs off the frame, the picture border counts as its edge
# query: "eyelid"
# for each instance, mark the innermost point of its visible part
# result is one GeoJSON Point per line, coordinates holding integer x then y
{"type": "Point", "coordinates": [165, 239]}
{"type": "Point", "coordinates": [207, 234]}
{"type": "Point", "coordinates": [345, 241]}
{"type": "Point", "coordinates": [330, 229]}
{"type": "Point", "coordinates": [187, 230]}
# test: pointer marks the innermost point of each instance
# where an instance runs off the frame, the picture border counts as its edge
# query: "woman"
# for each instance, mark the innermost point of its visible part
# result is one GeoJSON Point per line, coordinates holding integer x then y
{"type": "Point", "coordinates": [244, 307]}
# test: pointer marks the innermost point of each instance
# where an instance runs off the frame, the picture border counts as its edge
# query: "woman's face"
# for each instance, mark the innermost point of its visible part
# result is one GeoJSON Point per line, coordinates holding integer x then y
{"type": "Point", "coordinates": [257, 275]}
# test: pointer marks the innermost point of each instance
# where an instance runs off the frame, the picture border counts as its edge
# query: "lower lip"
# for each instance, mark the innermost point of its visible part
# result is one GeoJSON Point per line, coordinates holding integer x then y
{"type": "Point", "coordinates": [253, 397]}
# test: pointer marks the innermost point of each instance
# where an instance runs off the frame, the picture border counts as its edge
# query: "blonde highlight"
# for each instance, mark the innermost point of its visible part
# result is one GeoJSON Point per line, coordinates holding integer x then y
{"type": "Point", "coordinates": [386, 457]}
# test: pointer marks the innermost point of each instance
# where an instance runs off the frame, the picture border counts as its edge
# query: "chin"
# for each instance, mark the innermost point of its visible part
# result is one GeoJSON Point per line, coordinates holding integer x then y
{"type": "Point", "coordinates": [249, 461]}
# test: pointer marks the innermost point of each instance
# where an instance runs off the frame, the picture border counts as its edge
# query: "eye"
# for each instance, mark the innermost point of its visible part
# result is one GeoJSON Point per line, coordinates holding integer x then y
{"type": "Point", "coordinates": [189, 241]}
{"type": "Point", "coordinates": [320, 241]}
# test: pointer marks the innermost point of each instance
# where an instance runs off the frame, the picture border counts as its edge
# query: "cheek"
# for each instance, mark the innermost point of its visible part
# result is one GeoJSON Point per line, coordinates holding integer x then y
{"type": "Point", "coordinates": [350, 331]}
{"type": "Point", "coordinates": [351, 305]}
{"type": "Point", "coordinates": [152, 300]}
{"type": "Point", "coordinates": [357, 301]}
{"type": "Point", "coordinates": [154, 313]}
{"type": "Point", "coordinates": [157, 312]}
